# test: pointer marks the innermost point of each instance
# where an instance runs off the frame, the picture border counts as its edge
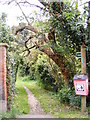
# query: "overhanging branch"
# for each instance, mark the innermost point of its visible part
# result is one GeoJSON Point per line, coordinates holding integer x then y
{"type": "Point", "coordinates": [29, 24]}
{"type": "Point", "coordinates": [30, 48]}
{"type": "Point", "coordinates": [32, 5]}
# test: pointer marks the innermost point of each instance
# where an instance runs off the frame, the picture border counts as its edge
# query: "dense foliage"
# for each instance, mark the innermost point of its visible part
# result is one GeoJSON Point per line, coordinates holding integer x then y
{"type": "Point", "coordinates": [66, 32]}
{"type": "Point", "coordinates": [66, 95]}
{"type": "Point", "coordinates": [60, 36]}
{"type": "Point", "coordinates": [12, 61]}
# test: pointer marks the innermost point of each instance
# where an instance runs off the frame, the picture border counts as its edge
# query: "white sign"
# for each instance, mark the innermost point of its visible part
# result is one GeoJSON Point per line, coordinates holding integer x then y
{"type": "Point", "coordinates": [80, 87]}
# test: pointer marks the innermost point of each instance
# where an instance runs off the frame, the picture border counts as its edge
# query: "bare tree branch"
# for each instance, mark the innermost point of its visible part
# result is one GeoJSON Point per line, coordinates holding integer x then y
{"type": "Point", "coordinates": [30, 48]}
{"type": "Point", "coordinates": [30, 26]}
{"type": "Point", "coordinates": [26, 2]}
{"type": "Point", "coordinates": [43, 3]}
{"type": "Point", "coordinates": [10, 2]}
{"type": "Point", "coordinates": [19, 30]}
{"type": "Point", "coordinates": [22, 11]}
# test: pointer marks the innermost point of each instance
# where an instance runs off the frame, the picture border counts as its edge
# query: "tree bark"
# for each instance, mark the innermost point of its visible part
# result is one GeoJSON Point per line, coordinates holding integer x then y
{"type": "Point", "coordinates": [60, 61]}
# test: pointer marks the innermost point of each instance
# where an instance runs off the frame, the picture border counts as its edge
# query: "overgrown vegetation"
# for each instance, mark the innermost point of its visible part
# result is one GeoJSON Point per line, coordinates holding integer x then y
{"type": "Point", "coordinates": [50, 78]}
{"type": "Point", "coordinates": [10, 114]}
{"type": "Point", "coordinates": [7, 37]}
{"type": "Point", "coordinates": [66, 95]}
{"type": "Point", "coordinates": [51, 104]}
{"type": "Point", "coordinates": [20, 101]}
{"type": "Point", "coordinates": [19, 105]}
{"type": "Point", "coordinates": [47, 54]}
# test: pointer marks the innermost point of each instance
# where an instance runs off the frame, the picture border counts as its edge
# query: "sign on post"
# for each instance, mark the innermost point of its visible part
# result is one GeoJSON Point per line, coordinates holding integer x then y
{"type": "Point", "coordinates": [78, 55]}
{"type": "Point", "coordinates": [81, 84]}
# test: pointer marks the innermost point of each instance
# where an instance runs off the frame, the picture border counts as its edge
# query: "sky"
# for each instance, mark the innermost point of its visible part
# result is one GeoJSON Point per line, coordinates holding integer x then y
{"type": "Point", "coordinates": [13, 11]}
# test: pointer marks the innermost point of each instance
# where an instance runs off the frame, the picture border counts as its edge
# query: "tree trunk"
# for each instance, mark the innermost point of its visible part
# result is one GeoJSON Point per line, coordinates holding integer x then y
{"type": "Point", "coordinates": [57, 58]}
{"type": "Point", "coordinates": [60, 61]}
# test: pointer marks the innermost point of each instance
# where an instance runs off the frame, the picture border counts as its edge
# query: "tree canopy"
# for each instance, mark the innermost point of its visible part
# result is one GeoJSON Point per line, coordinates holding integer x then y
{"type": "Point", "coordinates": [46, 48]}
{"type": "Point", "coordinates": [59, 36]}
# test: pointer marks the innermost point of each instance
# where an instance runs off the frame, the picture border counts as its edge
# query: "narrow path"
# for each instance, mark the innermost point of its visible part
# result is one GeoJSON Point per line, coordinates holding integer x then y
{"type": "Point", "coordinates": [34, 104]}
{"type": "Point", "coordinates": [36, 110]}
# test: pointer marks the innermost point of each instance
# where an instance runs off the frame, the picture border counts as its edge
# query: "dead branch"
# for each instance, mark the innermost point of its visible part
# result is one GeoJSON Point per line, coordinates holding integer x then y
{"type": "Point", "coordinates": [43, 3]}
{"type": "Point", "coordinates": [26, 27]}
{"type": "Point", "coordinates": [10, 2]}
{"type": "Point", "coordinates": [31, 5]}
{"type": "Point", "coordinates": [30, 26]}
{"type": "Point", "coordinates": [30, 48]}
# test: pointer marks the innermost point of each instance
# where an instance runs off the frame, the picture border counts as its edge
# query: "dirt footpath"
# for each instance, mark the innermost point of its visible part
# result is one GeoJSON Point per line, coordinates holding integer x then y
{"type": "Point", "coordinates": [36, 110]}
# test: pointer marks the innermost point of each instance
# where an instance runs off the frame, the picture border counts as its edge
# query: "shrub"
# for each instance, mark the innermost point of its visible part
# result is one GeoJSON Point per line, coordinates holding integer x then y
{"type": "Point", "coordinates": [46, 79]}
{"type": "Point", "coordinates": [32, 73]}
{"type": "Point", "coordinates": [74, 100]}
{"type": "Point", "coordinates": [66, 95]}
{"type": "Point", "coordinates": [10, 114]}
{"type": "Point", "coordinates": [24, 68]}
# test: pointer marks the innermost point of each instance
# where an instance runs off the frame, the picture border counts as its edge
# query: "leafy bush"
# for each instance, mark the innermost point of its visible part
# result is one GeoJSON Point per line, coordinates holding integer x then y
{"type": "Point", "coordinates": [27, 69]}
{"type": "Point", "coordinates": [47, 79]}
{"type": "Point", "coordinates": [32, 73]}
{"type": "Point", "coordinates": [11, 114]}
{"type": "Point", "coordinates": [44, 73]}
{"type": "Point", "coordinates": [66, 95]}
{"type": "Point", "coordinates": [75, 101]}
{"type": "Point", "coordinates": [24, 68]}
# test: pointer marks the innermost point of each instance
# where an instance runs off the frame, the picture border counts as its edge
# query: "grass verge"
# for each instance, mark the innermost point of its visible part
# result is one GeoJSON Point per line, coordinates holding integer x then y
{"type": "Point", "coordinates": [20, 101]}
{"type": "Point", "coordinates": [10, 114]}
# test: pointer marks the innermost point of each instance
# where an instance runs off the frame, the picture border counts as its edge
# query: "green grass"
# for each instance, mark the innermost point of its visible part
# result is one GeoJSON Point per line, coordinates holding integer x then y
{"type": "Point", "coordinates": [20, 100]}
{"type": "Point", "coordinates": [10, 114]}
{"type": "Point", "coordinates": [51, 104]}
{"type": "Point", "coordinates": [48, 100]}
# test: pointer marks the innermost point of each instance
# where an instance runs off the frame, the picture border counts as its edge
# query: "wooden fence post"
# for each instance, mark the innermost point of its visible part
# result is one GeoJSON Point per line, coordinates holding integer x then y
{"type": "Point", "coordinates": [83, 71]}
